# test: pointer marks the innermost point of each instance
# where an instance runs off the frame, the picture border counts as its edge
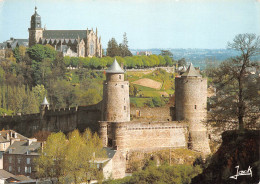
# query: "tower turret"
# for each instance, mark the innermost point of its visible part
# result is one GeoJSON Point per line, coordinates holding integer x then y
{"type": "Point", "coordinates": [44, 105]}
{"type": "Point", "coordinates": [116, 103]}
{"type": "Point", "coordinates": [191, 106]}
{"type": "Point", "coordinates": [35, 30]}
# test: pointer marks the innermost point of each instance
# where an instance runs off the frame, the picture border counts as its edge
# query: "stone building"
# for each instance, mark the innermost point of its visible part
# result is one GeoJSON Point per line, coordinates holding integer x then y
{"type": "Point", "coordinates": [117, 131]}
{"type": "Point", "coordinates": [18, 158]}
{"type": "Point", "coordinates": [76, 43]}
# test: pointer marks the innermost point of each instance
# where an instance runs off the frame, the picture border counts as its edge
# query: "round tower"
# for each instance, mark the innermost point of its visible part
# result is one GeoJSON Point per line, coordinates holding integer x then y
{"type": "Point", "coordinates": [35, 31]}
{"type": "Point", "coordinates": [191, 106]}
{"type": "Point", "coordinates": [116, 103]}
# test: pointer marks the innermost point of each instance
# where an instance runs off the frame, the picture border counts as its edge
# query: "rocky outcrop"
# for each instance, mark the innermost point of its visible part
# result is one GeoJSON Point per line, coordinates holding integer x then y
{"type": "Point", "coordinates": [237, 157]}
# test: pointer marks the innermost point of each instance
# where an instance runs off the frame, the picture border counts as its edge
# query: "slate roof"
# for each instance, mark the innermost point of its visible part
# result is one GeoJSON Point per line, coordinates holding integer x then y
{"type": "Point", "coordinates": [191, 72]}
{"type": "Point", "coordinates": [110, 152]}
{"type": "Point", "coordinates": [3, 135]}
{"type": "Point", "coordinates": [45, 101]}
{"type": "Point", "coordinates": [69, 34]}
{"type": "Point", "coordinates": [115, 68]}
{"type": "Point", "coordinates": [3, 45]}
{"type": "Point", "coordinates": [21, 147]}
{"type": "Point", "coordinates": [5, 174]}
{"type": "Point", "coordinates": [13, 43]}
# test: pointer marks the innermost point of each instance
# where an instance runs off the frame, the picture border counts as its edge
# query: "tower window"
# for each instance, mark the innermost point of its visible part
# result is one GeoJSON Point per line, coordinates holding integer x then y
{"type": "Point", "coordinates": [119, 76]}
{"type": "Point", "coordinates": [124, 107]}
{"type": "Point", "coordinates": [122, 86]}
{"type": "Point", "coordinates": [195, 107]}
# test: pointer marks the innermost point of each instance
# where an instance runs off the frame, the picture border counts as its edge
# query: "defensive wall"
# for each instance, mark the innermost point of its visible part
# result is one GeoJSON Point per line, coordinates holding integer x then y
{"type": "Point", "coordinates": [164, 113]}
{"type": "Point", "coordinates": [144, 135]}
{"type": "Point", "coordinates": [65, 120]}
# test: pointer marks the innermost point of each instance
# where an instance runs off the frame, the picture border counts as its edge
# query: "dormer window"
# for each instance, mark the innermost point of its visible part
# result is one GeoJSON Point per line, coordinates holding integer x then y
{"type": "Point", "coordinates": [11, 150]}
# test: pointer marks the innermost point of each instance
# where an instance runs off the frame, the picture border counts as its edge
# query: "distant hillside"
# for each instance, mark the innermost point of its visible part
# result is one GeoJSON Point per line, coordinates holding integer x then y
{"type": "Point", "coordinates": [197, 56]}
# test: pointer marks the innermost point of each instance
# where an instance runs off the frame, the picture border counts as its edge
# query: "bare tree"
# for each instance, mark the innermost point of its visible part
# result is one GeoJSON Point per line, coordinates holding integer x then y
{"type": "Point", "coordinates": [237, 85]}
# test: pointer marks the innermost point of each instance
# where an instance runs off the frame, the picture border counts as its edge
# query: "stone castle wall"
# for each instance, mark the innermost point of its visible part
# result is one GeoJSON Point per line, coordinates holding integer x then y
{"type": "Point", "coordinates": [164, 113]}
{"type": "Point", "coordinates": [64, 120]}
{"type": "Point", "coordinates": [132, 136]}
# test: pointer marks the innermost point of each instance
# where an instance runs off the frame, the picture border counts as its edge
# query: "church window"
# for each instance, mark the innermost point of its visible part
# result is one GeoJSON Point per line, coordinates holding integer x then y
{"type": "Point", "coordinates": [195, 107]}
{"type": "Point", "coordinates": [82, 51]}
{"type": "Point", "coordinates": [124, 107]}
{"type": "Point", "coordinates": [122, 86]}
{"type": "Point", "coordinates": [92, 48]}
{"type": "Point", "coordinates": [119, 76]}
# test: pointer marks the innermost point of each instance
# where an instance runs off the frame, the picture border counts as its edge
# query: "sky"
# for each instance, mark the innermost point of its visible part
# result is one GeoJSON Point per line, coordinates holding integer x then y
{"type": "Point", "coordinates": [207, 24]}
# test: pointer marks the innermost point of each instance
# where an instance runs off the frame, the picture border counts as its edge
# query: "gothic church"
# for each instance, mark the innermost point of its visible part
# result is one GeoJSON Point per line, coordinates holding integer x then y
{"type": "Point", "coordinates": [74, 43]}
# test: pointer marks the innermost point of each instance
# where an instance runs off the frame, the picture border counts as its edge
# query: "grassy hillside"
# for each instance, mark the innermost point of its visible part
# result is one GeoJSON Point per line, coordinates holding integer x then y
{"type": "Point", "coordinates": [150, 84]}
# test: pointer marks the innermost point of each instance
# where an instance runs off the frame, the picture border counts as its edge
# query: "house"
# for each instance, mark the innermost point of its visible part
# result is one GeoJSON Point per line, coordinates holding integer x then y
{"type": "Point", "coordinates": [115, 164]}
{"type": "Point", "coordinates": [6, 178]}
{"type": "Point", "coordinates": [7, 137]}
{"type": "Point", "coordinates": [18, 158]}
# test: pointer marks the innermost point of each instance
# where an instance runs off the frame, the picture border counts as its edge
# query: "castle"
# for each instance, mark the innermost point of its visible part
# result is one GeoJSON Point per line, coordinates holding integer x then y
{"type": "Point", "coordinates": [74, 43]}
{"type": "Point", "coordinates": [178, 127]}
{"type": "Point", "coordinates": [117, 131]}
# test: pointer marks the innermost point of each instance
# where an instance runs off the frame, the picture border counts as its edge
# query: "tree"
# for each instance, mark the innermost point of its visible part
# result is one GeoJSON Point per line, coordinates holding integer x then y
{"type": "Point", "coordinates": [124, 50]}
{"type": "Point", "coordinates": [70, 159]}
{"type": "Point", "coordinates": [133, 90]}
{"type": "Point", "coordinates": [166, 53]}
{"type": "Point", "coordinates": [237, 99]}
{"type": "Point", "coordinates": [182, 62]}
{"type": "Point", "coordinates": [112, 48]}
{"type": "Point", "coordinates": [51, 163]}
{"type": "Point", "coordinates": [39, 52]}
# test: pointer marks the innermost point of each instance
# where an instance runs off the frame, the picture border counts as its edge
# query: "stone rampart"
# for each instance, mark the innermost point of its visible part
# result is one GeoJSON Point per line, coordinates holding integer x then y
{"type": "Point", "coordinates": [64, 120]}
{"type": "Point", "coordinates": [131, 136]}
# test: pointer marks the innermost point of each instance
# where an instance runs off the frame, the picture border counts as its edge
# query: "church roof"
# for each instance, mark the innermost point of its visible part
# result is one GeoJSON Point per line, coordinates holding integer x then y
{"type": "Point", "coordinates": [115, 68]}
{"type": "Point", "coordinates": [191, 72]}
{"type": "Point", "coordinates": [66, 34]}
{"type": "Point", "coordinates": [45, 102]}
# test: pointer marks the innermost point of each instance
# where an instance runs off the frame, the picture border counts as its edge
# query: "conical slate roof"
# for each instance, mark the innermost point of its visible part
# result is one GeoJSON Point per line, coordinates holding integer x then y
{"type": "Point", "coordinates": [191, 72]}
{"type": "Point", "coordinates": [115, 68]}
{"type": "Point", "coordinates": [45, 102]}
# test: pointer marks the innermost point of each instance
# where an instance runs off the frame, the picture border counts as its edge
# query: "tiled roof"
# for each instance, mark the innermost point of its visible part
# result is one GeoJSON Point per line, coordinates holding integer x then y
{"type": "Point", "coordinates": [191, 72]}
{"type": "Point", "coordinates": [67, 34]}
{"type": "Point", "coordinates": [115, 68]}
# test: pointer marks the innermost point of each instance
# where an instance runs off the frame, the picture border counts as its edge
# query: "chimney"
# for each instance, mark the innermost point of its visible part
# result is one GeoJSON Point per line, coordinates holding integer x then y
{"type": "Point", "coordinates": [7, 136]}
{"type": "Point", "coordinates": [29, 141]}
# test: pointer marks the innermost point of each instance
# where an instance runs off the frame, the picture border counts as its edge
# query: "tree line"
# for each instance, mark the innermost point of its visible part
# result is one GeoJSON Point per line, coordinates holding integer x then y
{"type": "Point", "coordinates": [127, 62]}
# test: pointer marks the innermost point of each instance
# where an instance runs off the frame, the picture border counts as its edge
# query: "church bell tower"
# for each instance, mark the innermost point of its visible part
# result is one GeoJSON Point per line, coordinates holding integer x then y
{"type": "Point", "coordinates": [35, 31]}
